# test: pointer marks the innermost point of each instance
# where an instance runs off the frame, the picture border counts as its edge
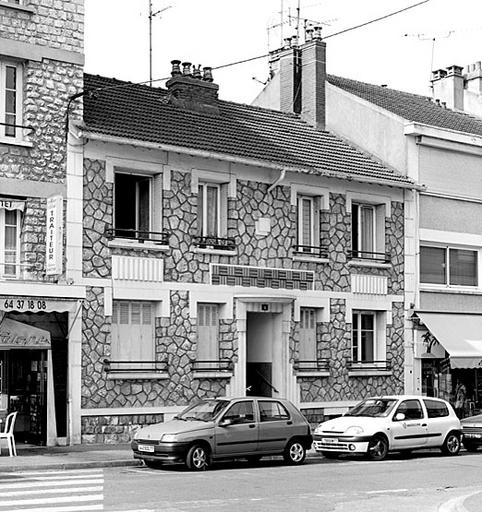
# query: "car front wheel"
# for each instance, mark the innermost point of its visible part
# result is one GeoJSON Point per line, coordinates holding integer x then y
{"type": "Point", "coordinates": [197, 458]}
{"type": "Point", "coordinates": [295, 452]}
{"type": "Point", "coordinates": [377, 448]}
{"type": "Point", "coordinates": [451, 444]}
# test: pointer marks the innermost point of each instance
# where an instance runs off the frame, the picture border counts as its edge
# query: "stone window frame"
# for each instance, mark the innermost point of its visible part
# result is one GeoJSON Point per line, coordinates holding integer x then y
{"type": "Point", "coordinates": [20, 136]}
{"type": "Point", "coordinates": [321, 200]}
{"type": "Point", "coordinates": [21, 6]}
{"type": "Point", "coordinates": [160, 181]}
{"type": "Point", "coordinates": [227, 190]}
{"type": "Point", "coordinates": [383, 210]}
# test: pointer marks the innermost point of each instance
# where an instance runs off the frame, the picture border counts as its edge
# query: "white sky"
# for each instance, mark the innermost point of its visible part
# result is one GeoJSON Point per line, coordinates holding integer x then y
{"type": "Point", "coordinates": [216, 32]}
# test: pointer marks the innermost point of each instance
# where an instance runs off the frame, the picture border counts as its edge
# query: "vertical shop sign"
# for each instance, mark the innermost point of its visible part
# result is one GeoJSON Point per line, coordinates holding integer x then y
{"type": "Point", "coordinates": [54, 257]}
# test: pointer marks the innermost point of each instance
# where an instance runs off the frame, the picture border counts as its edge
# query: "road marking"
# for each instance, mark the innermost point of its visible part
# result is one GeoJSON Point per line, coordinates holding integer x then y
{"type": "Point", "coordinates": [50, 501]}
{"type": "Point", "coordinates": [26, 483]}
{"type": "Point", "coordinates": [68, 490]}
{"type": "Point", "coordinates": [456, 504]}
{"type": "Point", "coordinates": [387, 491]}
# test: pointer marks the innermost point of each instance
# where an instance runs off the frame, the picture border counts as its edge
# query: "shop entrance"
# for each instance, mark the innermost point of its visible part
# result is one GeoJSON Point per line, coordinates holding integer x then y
{"type": "Point", "coordinates": [263, 369]}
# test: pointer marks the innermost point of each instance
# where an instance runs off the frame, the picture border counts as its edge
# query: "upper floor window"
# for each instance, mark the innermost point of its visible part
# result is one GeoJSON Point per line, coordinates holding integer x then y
{"type": "Point", "coordinates": [10, 100]}
{"type": "Point", "coordinates": [132, 206]}
{"type": "Point", "coordinates": [132, 336]}
{"type": "Point", "coordinates": [448, 266]}
{"type": "Point", "coordinates": [363, 230]}
{"type": "Point", "coordinates": [207, 332]}
{"type": "Point", "coordinates": [9, 242]}
{"type": "Point", "coordinates": [307, 348]}
{"type": "Point", "coordinates": [363, 337]}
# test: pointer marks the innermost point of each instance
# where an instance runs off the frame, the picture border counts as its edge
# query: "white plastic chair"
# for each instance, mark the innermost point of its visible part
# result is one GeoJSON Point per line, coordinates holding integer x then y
{"type": "Point", "coordinates": [8, 434]}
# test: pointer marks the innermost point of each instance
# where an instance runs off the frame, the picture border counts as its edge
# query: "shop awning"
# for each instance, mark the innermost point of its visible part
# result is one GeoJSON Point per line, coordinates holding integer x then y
{"type": "Point", "coordinates": [16, 335]}
{"type": "Point", "coordinates": [459, 334]}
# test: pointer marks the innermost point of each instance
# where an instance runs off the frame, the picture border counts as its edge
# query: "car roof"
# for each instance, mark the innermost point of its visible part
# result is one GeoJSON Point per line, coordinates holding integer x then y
{"type": "Point", "coordinates": [406, 397]}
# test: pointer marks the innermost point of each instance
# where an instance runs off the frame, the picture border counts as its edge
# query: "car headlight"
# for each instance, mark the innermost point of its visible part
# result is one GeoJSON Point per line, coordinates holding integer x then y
{"type": "Point", "coordinates": [319, 429]}
{"type": "Point", "coordinates": [354, 431]}
{"type": "Point", "coordinates": [168, 438]}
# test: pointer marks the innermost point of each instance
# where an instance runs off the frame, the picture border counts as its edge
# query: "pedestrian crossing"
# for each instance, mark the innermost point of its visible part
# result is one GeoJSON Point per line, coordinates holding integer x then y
{"type": "Point", "coordinates": [78, 490]}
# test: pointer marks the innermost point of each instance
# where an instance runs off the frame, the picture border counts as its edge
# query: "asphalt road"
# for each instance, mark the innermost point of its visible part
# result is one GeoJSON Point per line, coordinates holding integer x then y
{"type": "Point", "coordinates": [422, 482]}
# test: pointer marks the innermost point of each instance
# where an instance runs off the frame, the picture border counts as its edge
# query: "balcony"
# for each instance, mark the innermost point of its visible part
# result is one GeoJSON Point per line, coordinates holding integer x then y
{"type": "Point", "coordinates": [368, 368]}
{"type": "Point", "coordinates": [122, 369]}
{"type": "Point", "coordinates": [216, 368]}
{"type": "Point", "coordinates": [214, 243]}
{"type": "Point", "coordinates": [369, 256]}
{"type": "Point", "coordinates": [314, 368]}
{"type": "Point", "coordinates": [309, 252]}
{"type": "Point", "coordinates": [139, 236]}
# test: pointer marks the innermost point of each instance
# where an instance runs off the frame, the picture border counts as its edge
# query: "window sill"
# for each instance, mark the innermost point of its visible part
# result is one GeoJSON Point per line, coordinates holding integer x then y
{"type": "Point", "coordinates": [451, 289]}
{"type": "Point", "coordinates": [15, 142]}
{"type": "Point", "coordinates": [126, 244]}
{"type": "Point", "coordinates": [16, 7]}
{"type": "Point", "coordinates": [370, 373]}
{"type": "Point", "coordinates": [137, 375]}
{"type": "Point", "coordinates": [219, 252]}
{"type": "Point", "coordinates": [310, 259]}
{"type": "Point", "coordinates": [369, 264]}
{"type": "Point", "coordinates": [212, 375]}
{"type": "Point", "coordinates": [324, 373]}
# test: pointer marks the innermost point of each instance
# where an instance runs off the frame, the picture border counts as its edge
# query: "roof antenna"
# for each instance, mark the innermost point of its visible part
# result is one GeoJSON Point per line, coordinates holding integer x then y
{"type": "Point", "coordinates": [153, 15]}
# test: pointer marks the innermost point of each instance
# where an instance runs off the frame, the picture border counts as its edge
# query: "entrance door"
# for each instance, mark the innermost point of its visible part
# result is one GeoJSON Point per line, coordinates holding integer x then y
{"type": "Point", "coordinates": [263, 368]}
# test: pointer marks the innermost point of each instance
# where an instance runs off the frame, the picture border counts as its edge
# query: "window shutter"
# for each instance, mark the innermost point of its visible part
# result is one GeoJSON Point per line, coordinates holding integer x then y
{"type": "Point", "coordinates": [307, 349]}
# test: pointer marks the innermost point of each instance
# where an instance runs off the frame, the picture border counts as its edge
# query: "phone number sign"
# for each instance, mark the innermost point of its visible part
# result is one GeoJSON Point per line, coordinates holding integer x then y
{"type": "Point", "coordinates": [25, 304]}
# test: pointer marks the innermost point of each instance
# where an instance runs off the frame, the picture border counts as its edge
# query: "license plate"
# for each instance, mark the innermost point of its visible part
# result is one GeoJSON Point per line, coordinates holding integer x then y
{"type": "Point", "coordinates": [146, 448]}
{"type": "Point", "coordinates": [473, 436]}
{"type": "Point", "coordinates": [328, 440]}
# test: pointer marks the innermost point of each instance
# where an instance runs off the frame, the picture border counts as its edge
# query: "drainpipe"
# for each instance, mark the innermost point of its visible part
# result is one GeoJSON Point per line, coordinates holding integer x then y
{"type": "Point", "coordinates": [281, 177]}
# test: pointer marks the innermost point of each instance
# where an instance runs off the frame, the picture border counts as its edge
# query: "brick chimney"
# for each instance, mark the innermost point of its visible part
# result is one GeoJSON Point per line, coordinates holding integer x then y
{"type": "Point", "coordinates": [473, 78]}
{"type": "Point", "coordinates": [301, 70]}
{"type": "Point", "coordinates": [448, 86]}
{"type": "Point", "coordinates": [192, 89]}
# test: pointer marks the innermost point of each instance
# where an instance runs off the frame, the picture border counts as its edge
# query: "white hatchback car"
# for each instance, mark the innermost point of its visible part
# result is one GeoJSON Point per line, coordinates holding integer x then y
{"type": "Point", "coordinates": [383, 424]}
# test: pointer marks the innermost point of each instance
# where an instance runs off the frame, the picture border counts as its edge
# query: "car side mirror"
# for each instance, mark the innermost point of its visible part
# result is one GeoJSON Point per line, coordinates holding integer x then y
{"type": "Point", "coordinates": [399, 416]}
{"type": "Point", "coordinates": [226, 422]}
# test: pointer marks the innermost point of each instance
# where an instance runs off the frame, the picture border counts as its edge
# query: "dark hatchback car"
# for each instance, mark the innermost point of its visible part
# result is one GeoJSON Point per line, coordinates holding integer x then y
{"type": "Point", "coordinates": [472, 432]}
{"type": "Point", "coordinates": [220, 428]}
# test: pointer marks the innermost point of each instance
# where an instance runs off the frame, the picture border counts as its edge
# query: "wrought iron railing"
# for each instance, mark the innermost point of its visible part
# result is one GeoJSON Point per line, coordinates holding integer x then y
{"type": "Point", "coordinates": [380, 257]}
{"type": "Point", "coordinates": [118, 366]}
{"type": "Point", "coordinates": [214, 242]}
{"type": "Point", "coordinates": [15, 126]}
{"type": "Point", "coordinates": [158, 237]}
{"type": "Point", "coordinates": [214, 365]}
{"type": "Point", "coordinates": [317, 365]}
{"type": "Point", "coordinates": [310, 250]}
{"type": "Point", "coordinates": [354, 365]}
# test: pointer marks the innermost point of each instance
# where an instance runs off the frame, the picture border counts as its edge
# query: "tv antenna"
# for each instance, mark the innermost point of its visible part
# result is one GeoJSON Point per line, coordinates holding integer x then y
{"type": "Point", "coordinates": [153, 14]}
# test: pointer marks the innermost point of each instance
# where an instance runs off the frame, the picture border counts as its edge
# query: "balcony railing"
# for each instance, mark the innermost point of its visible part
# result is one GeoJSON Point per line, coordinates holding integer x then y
{"type": "Point", "coordinates": [354, 366]}
{"type": "Point", "coordinates": [218, 365]}
{"type": "Point", "coordinates": [17, 270]}
{"type": "Point", "coordinates": [317, 365]}
{"type": "Point", "coordinates": [117, 366]}
{"type": "Point", "coordinates": [214, 242]}
{"type": "Point", "coordinates": [14, 127]}
{"type": "Point", "coordinates": [379, 257]}
{"type": "Point", "coordinates": [157, 237]}
{"type": "Point", "coordinates": [310, 250]}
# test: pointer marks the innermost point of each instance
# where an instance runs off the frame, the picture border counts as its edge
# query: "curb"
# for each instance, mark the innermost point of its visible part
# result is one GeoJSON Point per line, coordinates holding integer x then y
{"type": "Point", "coordinates": [72, 465]}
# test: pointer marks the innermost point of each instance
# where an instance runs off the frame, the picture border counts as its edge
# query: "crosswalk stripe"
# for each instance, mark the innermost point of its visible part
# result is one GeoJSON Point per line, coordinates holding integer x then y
{"type": "Point", "coordinates": [56, 472]}
{"type": "Point", "coordinates": [50, 501]}
{"type": "Point", "coordinates": [53, 477]}
{"type": "Point", "coordinates": [42, 483]}
{"type": "Point", "coordinates": [69, 490]}
{"type": "Point", "coordinates": [75, 508]}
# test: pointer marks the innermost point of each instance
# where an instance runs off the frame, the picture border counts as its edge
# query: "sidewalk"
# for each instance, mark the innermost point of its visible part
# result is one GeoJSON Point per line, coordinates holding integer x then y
{"type": "Point", "coordinates": [67, 457]}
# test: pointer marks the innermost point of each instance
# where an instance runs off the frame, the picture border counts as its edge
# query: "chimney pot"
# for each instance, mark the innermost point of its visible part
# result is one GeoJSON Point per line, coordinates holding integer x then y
{"type": "Point", "coordinates": [478, 65]}
{"type": "Point", "coordinates": [196, 72]}
{"type": "Point", "coordinates": [317, 32]}
{"type": "Point", "coordinates": [186, 68]}
{"type": "Point", "coordinates": [308, 34]}
{"type": "Point", "coordinates": [437, 101]}
{"type": "Point", "coordinates": [287, 41]}
{"type": "Point", "coordinates": [176, 67]}
{"type": "Point", "coordinates": [444, 104]}
{"type": "Point", "coordinates": [294, 41]}
{"type": "Point", "coordinates": [207, 74]}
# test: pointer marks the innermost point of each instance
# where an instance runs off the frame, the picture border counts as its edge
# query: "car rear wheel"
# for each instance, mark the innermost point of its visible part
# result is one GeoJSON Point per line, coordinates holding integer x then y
{"type": "Point", "coordinates": [471, 447]}
{"type": "Point", "coordinates": [197, 458]}
{"type": "Point", "coordinates": [451, 444]}
{"type": "Point", "coordinates": [295, 452]}
{"type": "Point", "coordinates": [377, 448]}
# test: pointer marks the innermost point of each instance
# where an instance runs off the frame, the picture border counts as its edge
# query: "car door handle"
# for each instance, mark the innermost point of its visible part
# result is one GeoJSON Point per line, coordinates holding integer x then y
{"type": "Point", "coordinates": [424, 424]}
{"type": "Point", "coordinates": [289, 422]}
{"type": "Point", "coordinates": [252, 426]}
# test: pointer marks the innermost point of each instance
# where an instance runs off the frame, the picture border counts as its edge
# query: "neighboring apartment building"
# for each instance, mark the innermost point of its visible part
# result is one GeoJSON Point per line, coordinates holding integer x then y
{"type": "Point", "coordinates": [232, 250]}
{"type": "Point", "coordinates": [41, 63]}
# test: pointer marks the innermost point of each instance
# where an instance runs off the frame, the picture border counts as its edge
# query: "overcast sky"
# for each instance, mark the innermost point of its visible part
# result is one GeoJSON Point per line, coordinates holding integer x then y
{"type": "Point", "coordinates": [216, 32]}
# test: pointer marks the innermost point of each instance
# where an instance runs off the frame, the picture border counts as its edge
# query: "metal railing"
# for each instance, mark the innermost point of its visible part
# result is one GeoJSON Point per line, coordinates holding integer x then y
{"type": "Point", "coordinates": [214, 242]}
{"type": "Point", "coordinates": [368, 365]}
{"type": "Point", "coordinates": [310, 250]}
{"type": "Point", "coordinates": [15, 126]}
{"type": "Point", "coordinates": [118, 366]}
{"type": "Point", "coordinates": [380, 257]}
{"type": "Point", "coordinates": [158, 237]}
{"type": "Point", "coordinates": [317, 365]}
{"type": "Point", "coordinates": [214, 365]}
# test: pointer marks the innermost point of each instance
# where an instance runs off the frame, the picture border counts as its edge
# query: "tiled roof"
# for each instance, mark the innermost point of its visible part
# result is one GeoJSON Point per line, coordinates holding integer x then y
{"type": "Point", "coordinates": [412, 107]}
{"type": "Point", "coordinates": [142, 113]}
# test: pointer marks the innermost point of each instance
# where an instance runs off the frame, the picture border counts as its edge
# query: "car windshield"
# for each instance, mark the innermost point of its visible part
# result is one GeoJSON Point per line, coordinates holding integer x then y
{"type": "Point", "coordinates": [373, 407]}
{"type": "Point", "coordinates": [206, 410]}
